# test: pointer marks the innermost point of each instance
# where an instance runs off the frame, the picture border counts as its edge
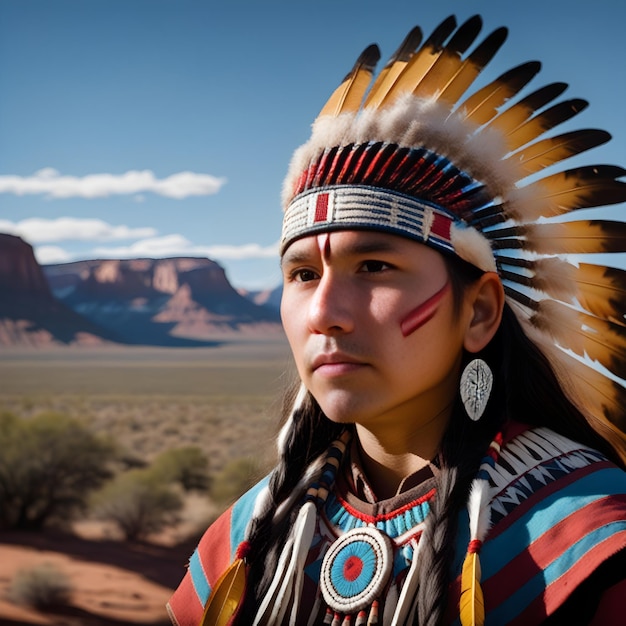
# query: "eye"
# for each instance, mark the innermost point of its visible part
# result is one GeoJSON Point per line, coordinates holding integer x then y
{"type": "Point", "coordinates": [372, 266]}
{"type": "Point", "coordinates": [303, 275]}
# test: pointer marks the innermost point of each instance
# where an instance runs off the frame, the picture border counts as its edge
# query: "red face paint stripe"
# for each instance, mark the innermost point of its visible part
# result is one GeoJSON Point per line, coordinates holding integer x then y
{"type": "Point", "coordinates": [424, 312]}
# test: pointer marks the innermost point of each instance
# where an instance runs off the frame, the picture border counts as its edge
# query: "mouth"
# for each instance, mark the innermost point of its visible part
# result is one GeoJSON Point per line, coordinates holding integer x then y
{"type": "Point", "coordinates": [335, 364]}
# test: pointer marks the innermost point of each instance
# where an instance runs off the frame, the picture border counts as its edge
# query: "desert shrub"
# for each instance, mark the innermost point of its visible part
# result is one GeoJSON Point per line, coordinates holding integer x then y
{"type": "Point", "coordinates": [48, 466]}
{"type": "Point", "coordinates": [138, 503]}
{"type": "Point", "coordinates": [43, 586]}
{"type": "Point", "coordinates": [236, 477]}
{"type": "Point", "coordinates": [188, 466]}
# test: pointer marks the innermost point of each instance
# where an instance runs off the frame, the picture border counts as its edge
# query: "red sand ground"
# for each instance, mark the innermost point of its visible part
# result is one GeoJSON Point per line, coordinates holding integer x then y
{"type": "Point", "coordinates": [114, 583]}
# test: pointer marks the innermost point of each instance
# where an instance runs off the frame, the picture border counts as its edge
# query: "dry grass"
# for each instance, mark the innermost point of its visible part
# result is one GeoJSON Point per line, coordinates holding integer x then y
{"type": "Point", "coordinates": [224, 399]}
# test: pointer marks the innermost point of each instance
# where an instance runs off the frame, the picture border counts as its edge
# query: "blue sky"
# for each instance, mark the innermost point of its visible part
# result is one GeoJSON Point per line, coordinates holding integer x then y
{"type": "Point", "coordinates": [164, 127]}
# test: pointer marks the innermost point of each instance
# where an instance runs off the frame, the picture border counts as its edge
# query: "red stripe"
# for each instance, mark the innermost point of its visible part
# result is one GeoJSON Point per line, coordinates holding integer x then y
{"type": "Point", "coordinates": [321, 208]}
{"type": "Point", "coordinates": [558, 592]}
{"type": "Point", "coordinates": [383, 517]}
{"type": "Point", "coordinates": [441, 226]}
{"type": "Point", "coordinates": [184, 605]}
{"type": "Point", "coordinates": [549, 546]}
{"type": "Point", "coordinates": [215, 549]}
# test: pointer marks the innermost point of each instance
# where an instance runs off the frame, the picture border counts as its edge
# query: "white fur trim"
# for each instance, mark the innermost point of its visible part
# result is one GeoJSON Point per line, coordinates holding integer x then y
{"type": "Point", "coordinates": [413, 122]}
{"type": "Point", "coordinates": [472, 247]}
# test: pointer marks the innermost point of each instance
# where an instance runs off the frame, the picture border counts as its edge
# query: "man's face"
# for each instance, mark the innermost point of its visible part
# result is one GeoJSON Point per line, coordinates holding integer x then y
{"type": "Point", "coordinates": [346, 301]}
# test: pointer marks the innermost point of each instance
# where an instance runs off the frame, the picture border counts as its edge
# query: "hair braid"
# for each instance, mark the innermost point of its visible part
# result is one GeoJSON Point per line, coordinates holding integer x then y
{"type": "Point", "coordinates": [304, 441]}
{"type": "Point", "coordinates": [462, 450]}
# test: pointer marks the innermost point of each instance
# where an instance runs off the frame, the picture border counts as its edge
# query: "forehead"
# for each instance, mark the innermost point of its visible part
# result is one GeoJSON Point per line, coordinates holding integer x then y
{"type": "Point", "coordinates": [353, 242]}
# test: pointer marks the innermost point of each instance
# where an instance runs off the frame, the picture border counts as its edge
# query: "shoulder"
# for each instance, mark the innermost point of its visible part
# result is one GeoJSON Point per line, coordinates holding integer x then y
{"type": "Point", "coordinates": [228, 531]}
{"type": "Point", "coordinates": [215, 552]}
{"type": "Point", "coordinates": [558, 513]}
{"type": "Point", "coordinates": [545, 480]}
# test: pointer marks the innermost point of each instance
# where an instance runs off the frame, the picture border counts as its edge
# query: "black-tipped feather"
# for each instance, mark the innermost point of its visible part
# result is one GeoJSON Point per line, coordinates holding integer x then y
{"type": "Point", "coordinates": [420, 62]}
{"type": "Point", "coordinates": [544, 121]}
{"type": "Point", "coordinates": [349, 95]}
{"type": "Point", "coordinates": [472, 66]}
{"type": "Point", "coordinates": [534, 157]}
{"type": "Point", "coordinates": [581, 237]}
{"type": "Point", "coordinates": [517, 114]}
{"type": "Point", "coordinates": [394, 67]}
{"type": "Point", "coordinates": [483, 105]}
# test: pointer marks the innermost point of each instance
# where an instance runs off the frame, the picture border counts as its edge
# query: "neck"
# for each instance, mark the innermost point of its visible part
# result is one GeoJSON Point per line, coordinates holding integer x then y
{"type": "Point", "coordinates": [389, 457]}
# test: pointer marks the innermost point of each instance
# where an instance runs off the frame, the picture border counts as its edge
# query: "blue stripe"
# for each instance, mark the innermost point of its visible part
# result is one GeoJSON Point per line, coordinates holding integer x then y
{"type": "Point", "coordinates": [519, 601]}
{"type": "Point", "coordinates": [242, 513]}
{"type": "Point", "coordinates": [499, 551]}
{"type": "Point", "coordinates": [200, 583]}
{"type": "Point", "coordinates": [559, 505]}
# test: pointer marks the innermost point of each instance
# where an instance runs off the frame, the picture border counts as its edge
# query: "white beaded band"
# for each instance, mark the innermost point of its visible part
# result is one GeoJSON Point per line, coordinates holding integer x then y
{"type": "Point", "coordinates": [359, 207]}
{"type": "Point", "coordinates": [371, 208]}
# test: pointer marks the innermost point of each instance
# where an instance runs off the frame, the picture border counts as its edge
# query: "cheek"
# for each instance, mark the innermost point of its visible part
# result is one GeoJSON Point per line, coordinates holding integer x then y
{"type": "Point", "coordinates": [424, 312]}
{"type": "Point", "coordinates": [436, 346]}
{"type": "Point", "coordinates": [292, 317]}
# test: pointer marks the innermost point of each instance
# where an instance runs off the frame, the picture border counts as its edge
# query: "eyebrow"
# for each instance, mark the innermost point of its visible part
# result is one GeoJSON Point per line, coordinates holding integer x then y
{"type": "Point", "coordinates": [294, 256]}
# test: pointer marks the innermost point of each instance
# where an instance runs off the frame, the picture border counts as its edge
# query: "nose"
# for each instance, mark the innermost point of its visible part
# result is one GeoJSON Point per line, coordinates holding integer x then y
{"type": "Point", "coordinates": [331, 307]}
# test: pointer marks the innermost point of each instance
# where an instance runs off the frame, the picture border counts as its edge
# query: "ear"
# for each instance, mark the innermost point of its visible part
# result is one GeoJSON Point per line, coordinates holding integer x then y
{"type": "Point", "coordinates": [486, 300]}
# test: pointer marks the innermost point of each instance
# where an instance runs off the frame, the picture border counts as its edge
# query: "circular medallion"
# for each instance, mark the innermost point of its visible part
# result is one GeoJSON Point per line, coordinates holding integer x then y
{"type": "Point", "coordinates": [356, 569]}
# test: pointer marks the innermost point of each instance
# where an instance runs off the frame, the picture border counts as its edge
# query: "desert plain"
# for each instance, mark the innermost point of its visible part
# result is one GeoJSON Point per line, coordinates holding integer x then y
{"type": "Point", "coordinates": [224, 399]}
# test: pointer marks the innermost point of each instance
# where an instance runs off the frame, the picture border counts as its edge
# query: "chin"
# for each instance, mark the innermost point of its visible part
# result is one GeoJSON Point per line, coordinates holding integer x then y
{"type": "Point", "coordinates": [339, 415]}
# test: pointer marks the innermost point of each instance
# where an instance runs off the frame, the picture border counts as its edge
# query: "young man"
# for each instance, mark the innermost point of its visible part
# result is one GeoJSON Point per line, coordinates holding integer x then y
{"type": "Point", "coordinates": [453, 454]}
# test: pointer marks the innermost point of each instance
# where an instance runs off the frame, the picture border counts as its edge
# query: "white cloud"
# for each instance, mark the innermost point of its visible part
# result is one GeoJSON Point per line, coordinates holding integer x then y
{"type": "Point", "coordinates": [245, 251]}
{"type": "Point", "coordinates": [177, 245]}
{"type": "Point", "coordinates": [46, 255]}
{"type": "Point", "coordinates": [41, 230]}
{"type": "Point", "coordinates": [50, 182]}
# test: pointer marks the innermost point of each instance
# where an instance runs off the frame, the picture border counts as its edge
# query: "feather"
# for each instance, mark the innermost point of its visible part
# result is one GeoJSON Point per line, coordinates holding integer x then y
{"type": "Point", "coordinates": [394, 67]}
{"type": "Point", "coordinates": [226, 596]}
{"type": "Point", "coordinates": [596, 391]}
{"type": "Point", "coordinates": [516, 115]}
{"type": "Point", "coordinates": [598, 289]}
{"type": "Point", "coordinates": [602, 291]}
{"type": "Point", "coordinates": [581, 237]}
{"type": "Point", "coordinates": [544, 121]}
{"type": "Point", "coordinates": [472, 602]}
{"type": "Point", "coordinates": [420, 62]}
{"type": "Point", "coordinates": [483, 105]}
{"type": "Point", "coordinates": [534, 157]}
{"type": "Point", "coordinates": [409, 588]}
{"type": "Point", "coordinates": [584, 334]}
{"type": "Point", "coordinates": [479, 512]}
{"type": "Point", "coordinates": [306, 522]}
{"type": "Point", "coordinates": [269, 601]}
{"type": "Point", "coordinates": [449, 61]}
{"type": "Point", "coordinates": [579, 188]}
{"type": "Point", "coordinates": [349, 95]}
{"type": "Point", "coordinates": [467, 72]}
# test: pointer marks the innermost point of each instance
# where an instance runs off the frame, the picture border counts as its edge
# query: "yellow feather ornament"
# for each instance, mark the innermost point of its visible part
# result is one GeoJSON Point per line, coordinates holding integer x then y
{"type": "Point", "coordinates": [227, 595]}
{"type": "Point", "coordinates": [472, 603]}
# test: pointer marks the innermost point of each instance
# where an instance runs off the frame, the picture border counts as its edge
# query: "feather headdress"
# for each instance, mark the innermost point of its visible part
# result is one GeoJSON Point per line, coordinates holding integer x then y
{"type": "Point", "coordinates": [410, 153]}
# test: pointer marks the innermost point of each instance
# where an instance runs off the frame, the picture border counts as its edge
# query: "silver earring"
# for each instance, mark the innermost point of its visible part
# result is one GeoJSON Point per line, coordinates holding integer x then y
{"type": "Point", "coordinates": [476, 382]}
